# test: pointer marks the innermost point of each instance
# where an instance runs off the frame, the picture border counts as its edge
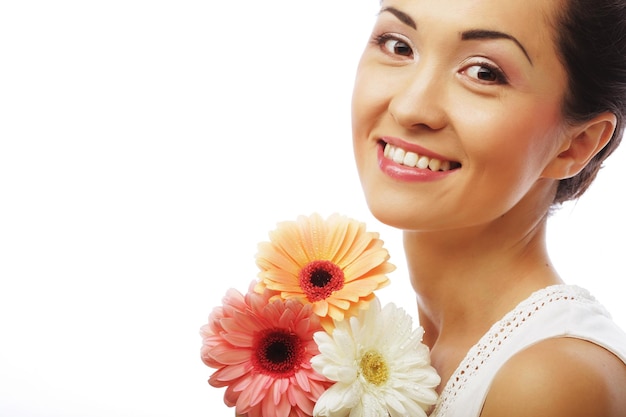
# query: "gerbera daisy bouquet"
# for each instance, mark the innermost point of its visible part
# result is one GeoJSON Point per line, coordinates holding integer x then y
{"type": "Point", "coordinates": [310, 337]}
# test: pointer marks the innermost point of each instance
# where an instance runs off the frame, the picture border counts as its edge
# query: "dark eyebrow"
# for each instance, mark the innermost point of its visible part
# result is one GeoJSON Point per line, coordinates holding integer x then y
{"type": "Point", "coordinates": [403, 17]}
{"type": "Point", "coordinates": [492, 34]}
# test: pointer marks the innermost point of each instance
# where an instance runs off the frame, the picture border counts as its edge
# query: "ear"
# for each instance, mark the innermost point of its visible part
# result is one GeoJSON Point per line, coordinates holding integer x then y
{"type": "Point", "coordinates": [581, 144]}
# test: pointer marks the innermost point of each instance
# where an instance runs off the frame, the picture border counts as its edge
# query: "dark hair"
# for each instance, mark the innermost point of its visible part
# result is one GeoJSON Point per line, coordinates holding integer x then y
{"type": "Point", "coordinates": [591, 39]}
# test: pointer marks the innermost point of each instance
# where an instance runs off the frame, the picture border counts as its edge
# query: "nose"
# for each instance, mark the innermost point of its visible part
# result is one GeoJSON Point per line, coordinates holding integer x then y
{"type": "Point", "coordinates": [418, 101]}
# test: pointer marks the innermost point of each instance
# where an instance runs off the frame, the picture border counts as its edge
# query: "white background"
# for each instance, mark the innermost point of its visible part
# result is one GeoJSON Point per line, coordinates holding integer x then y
{"type": "Point", "coordinates": [146, 147]}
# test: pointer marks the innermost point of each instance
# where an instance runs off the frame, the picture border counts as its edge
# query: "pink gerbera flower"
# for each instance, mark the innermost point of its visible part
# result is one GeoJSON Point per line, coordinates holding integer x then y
{"type": "Point", "coordinates": [262, 351]}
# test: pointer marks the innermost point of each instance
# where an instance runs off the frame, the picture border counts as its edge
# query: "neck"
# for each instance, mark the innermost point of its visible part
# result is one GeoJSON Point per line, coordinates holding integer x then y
{"type": "Point", "coordinates": [468, 279]}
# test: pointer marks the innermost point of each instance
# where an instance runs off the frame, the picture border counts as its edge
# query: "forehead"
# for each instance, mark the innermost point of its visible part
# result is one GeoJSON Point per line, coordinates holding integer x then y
{"type": "Point", "coordinates": [487, 8]}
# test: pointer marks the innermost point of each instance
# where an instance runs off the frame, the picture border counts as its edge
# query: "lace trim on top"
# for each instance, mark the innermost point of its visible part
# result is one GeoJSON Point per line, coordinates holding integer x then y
{"type": "Point", "coordinates": [491, 342]}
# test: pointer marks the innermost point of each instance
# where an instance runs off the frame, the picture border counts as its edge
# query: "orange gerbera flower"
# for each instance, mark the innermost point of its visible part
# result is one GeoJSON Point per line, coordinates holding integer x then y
{"type": "Point", "coordinates": [334, 264]}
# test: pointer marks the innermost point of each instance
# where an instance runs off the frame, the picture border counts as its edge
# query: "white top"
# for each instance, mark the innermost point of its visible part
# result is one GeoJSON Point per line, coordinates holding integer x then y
{"type": "Point", "coordinates": [555, 311]}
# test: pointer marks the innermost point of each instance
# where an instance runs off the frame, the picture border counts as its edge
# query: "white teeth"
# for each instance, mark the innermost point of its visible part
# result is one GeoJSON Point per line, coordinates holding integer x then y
{"type": "Point", "coordinates": [411, 159]}
{"type": "Point", "coordinates": [398, 155]}
{"type": "Point", "coordinates": [423, 162]}
{"type": "Point", "coordinates": [434, 164]}
{"type": "Point", "coordinates": [387, 150]}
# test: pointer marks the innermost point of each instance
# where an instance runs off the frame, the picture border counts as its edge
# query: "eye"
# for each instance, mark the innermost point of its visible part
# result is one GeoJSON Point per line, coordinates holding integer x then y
{"type": "Point", "coordinates": [486, 73]}
{"type": "Point", "coordinates": [394, 45]}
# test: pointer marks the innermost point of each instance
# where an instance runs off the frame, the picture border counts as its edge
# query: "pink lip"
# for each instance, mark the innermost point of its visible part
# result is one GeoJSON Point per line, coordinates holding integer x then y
{"type": "Point", "coordinates": [404, 173]}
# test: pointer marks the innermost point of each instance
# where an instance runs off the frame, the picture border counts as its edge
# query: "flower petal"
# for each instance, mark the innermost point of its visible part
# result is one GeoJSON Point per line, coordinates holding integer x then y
{"type": "Point", "coordinates": [339, 240]}
{"type": "Point", "coordinates": [257, 346]}
{"type": "Point", "coordinates": [407, 385]}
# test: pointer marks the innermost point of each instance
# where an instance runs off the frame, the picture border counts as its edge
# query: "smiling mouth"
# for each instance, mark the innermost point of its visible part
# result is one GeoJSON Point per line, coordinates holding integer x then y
{"type": "Point", "coordinates": [414, 160]}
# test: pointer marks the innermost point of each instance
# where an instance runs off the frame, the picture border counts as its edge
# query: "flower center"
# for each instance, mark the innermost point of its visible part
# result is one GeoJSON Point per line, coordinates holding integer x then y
{"type": "Point", "coordinates": [319, 279]}
{"type": "Point", "coordinates": [374, 368]}
{"type": "Point", "coordinates": [277, 352]}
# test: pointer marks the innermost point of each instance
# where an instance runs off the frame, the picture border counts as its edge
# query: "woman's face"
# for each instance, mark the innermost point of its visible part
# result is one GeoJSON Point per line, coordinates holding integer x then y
{"type": "Point", "coordinates": [466, 98]}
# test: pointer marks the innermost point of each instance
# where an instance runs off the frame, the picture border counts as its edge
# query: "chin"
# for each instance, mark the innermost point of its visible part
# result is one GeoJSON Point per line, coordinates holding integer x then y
{"type": "Point", "coordinates": [392, 213]}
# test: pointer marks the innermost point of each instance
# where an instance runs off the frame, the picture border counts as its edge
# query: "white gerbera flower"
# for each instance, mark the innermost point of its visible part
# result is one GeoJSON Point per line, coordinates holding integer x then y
{"type": "Point", "coordinates": [380, 365]}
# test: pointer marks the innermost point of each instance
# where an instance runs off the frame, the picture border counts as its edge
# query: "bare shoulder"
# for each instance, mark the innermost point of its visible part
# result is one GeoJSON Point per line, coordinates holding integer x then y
{"type": "Point", "coordinates": [558, 378]}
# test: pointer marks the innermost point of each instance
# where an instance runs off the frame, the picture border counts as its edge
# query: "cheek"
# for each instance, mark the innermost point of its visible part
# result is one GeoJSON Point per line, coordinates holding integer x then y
{"type": "Point", "coordinates": [367, 108]}
{"type": "Point", "coordinates": [510, 158]}
{"type": "Point", "coordinates": [522, 134]}
{"type": "Point", "coordinates": [370, 96]}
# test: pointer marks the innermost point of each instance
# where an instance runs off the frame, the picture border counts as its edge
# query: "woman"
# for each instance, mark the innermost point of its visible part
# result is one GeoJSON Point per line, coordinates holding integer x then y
{"type": "Point", "coordinates": [471, 121]}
